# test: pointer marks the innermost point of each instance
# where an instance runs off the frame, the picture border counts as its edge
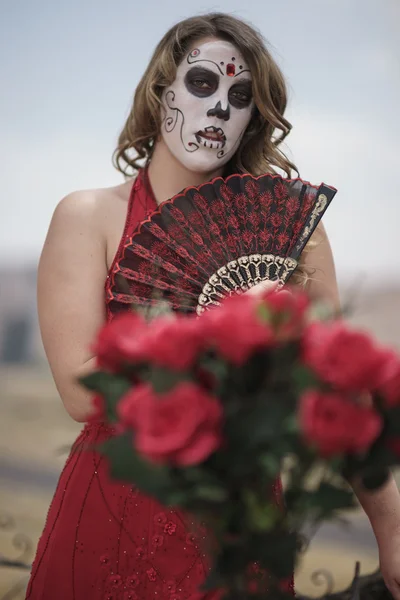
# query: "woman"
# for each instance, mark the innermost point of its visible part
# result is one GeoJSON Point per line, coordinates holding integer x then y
{"type": "Point", "coordinates": [207, 105]}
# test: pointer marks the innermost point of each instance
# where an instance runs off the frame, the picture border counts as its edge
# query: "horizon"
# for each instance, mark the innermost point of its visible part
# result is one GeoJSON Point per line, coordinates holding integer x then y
{"type": "Point", "coordinates": [65, 104]}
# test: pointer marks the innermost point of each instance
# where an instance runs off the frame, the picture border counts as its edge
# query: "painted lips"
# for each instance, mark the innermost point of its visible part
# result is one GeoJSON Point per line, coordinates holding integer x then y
{"type": "Point", "coordinates": [211, 137]}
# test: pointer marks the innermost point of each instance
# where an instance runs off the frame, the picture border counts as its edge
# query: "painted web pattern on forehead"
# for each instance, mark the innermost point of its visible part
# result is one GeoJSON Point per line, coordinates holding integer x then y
{"type": "Point", "coordinates": [231, 69]}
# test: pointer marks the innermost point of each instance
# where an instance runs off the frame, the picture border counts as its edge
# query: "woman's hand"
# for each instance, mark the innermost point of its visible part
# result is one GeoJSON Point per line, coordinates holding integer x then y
{"type": "Point", "coordinates": [264, 286]}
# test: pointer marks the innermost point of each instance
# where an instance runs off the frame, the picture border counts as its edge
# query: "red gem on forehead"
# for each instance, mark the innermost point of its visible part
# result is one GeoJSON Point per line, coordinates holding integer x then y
{"type": "Point", "coordinates": [230, 70]}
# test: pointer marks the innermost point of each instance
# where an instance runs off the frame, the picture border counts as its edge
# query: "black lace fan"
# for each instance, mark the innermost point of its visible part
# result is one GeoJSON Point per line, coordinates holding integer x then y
{"type": "Point", "coordinates": [222, 237]}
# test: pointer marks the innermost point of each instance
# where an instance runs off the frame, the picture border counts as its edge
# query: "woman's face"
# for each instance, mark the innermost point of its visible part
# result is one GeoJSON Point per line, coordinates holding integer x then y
{"type": "Point", "coordinates": [208, 107]}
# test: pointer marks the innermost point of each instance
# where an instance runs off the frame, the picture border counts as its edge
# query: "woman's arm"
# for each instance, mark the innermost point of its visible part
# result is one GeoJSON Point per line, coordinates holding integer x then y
{"type": "Point", "coordinates": [71, 277]}
{"type": "Point", "coordinates": [322, 284]}
{"type": "Point", "coordinates": [382, 506]}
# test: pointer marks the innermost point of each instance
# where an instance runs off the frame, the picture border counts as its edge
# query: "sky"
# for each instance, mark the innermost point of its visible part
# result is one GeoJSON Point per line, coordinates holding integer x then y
{"type": "Point", "coordinates": [68, 72]}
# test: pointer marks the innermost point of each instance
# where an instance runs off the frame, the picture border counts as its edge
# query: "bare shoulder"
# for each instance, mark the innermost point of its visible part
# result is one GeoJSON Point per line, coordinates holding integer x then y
{"type": "Point", "coordinates": [94, 218]}
{"type": "Point", "coordinates": [92, 209]}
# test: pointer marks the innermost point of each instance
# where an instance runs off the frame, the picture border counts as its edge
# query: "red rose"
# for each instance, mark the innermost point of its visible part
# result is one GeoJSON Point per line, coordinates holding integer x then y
{"type": "Point", "coordinates": [346, 359]}
{"type": "Point", "coordinates": [127, 408]}
{"type": "Point", "coordinates": [235, 328]}
{"type": "Point", "coordinates": [98, 409]}
{"type": "Point", "coordinates": [285, 301]}
{"type": "Point", "coordinates": [118, 341]}
{"type": "Point", "coordinates": [389, 387]}
{"type": "Point", "coordinates": [394, 445]}
{"type": "Point", "coordinates": [288, 311]}
{"type": "Point", "coordinates": [337, 426]}
{"type": "Point", "coordinates": [182, 426]}
{"type": "Point", "coordinates": [173, 342]}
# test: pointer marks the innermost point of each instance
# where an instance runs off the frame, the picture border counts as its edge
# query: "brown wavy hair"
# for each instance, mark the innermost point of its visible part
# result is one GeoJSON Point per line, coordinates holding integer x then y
{"type": "Point", "coordinates": [259, 151]}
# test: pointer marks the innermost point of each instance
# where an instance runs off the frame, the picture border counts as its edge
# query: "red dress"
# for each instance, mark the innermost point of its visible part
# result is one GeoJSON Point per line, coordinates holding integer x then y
{"type": "Point", "coordinates": [104, 540]}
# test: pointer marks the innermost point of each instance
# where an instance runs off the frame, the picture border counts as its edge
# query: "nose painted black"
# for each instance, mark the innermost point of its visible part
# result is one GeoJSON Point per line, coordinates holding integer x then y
{"type": "Point", "coordinates": [219, 112]}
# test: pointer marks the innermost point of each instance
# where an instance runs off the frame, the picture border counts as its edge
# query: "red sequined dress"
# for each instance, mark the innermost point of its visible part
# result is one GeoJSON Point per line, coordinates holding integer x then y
{"type": "Point", "coordinates": [104, 540]}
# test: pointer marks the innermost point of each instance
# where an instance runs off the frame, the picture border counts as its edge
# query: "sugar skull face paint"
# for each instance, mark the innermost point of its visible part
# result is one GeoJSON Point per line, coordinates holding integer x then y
{"type": "Point", "coordinates": [208, 107]}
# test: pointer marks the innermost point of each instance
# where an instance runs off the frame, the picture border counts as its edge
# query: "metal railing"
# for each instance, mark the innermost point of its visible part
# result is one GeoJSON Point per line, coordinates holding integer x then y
{"type": "Point", "coordinates": [23, 549]}
{"type": "Point", "coordinates": [363, 587]}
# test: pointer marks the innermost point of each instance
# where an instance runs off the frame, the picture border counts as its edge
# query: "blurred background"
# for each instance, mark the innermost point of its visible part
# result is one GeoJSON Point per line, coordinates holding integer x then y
{"type": "Point", "coordinates": [68, 72]}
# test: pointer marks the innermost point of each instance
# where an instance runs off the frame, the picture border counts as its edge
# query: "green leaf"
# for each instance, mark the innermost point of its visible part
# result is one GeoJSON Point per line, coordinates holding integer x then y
{"type": "Point", "coordinates": [379, 457]}
{"type": "Point", "coordinates": [271, 464]}
{"type": "Point", "coordinates": [231, 562]}
{"type": "Point", "coordinates": [261, 515]}
{"type": "Point", "coordinates": [291, 424]}
{"type": "Point", "coordinates": [178, 497]}
{"type": "Point", "coordinates": [165, 380]}
{"type": "Point", "coordinates": [260, 426]}
{"type": "Point", "coordinates": [214, 366]}
{"type": "Point", "coordinates": [393, 422]}
{"type": "Point", "coordinates": [336, 464]}
{"type": "Point", "coordinates": [374, 479]}
{"type": "Point", "coordinates": [304, 379]}
{"type": "Point", "coordinates": [127, 465]}
{"type": "Point", "coordinates": [265, 314]}
{"type": "Point", "coordinates": [111, 387]}
{"type": "Point", "coordinates": [211, 493]}
{"type": "Point", "coordinates": [326, 499]}
{"type": "Point", "coordinates": [276, 552]}
{"type": "Point", "coordinates": [334, 496]}
{"type": "Point", "coordinates": [213, 581]}
{"type": "Point", "coordinates": [197, 474]}
{"type": "Point", "coordinates": [321, 311]}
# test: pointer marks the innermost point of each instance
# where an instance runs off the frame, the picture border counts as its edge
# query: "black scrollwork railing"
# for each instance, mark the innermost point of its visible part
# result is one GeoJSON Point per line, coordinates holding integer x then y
{"type": "Point", "coordinates": [363, 587]}
{"type": "Point", "coordinates": [20, 542]}
{"type": "Point", "coordinates": [20, 559]}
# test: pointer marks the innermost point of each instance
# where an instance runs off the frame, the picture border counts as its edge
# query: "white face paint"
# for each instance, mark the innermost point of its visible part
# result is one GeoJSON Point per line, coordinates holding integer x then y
{"type": "Point", "coordinates": [208, 107]}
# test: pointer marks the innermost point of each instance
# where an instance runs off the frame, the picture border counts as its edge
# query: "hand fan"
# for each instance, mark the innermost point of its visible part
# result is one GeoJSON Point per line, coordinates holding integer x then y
{"type": "Point", "coordinates": [222, 237]}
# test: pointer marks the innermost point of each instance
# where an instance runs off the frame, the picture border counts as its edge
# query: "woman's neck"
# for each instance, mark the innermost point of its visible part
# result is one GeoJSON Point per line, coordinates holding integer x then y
{"type": "Point", "coordinates": [168, 176]}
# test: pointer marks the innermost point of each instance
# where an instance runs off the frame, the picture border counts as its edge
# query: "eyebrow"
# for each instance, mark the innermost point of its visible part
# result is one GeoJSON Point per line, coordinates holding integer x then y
{"type": "Point", "coordinates": [243, 82]}
{"type": "Point", "coordinates": [200, 60]}
{"type": "Point", "coordinates": [197, 70]}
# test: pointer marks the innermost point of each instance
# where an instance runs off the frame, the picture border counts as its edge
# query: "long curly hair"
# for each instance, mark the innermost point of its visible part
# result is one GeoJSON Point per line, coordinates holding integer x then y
{"type": "Point", "coordinates": [259, 151]}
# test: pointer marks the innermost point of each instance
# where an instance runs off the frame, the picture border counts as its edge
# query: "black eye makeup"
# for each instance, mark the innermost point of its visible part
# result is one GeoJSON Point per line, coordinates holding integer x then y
{"type": "Point", "coordinates": [240, 95]}
{"type": "Point", "coordinates": [201, 82]}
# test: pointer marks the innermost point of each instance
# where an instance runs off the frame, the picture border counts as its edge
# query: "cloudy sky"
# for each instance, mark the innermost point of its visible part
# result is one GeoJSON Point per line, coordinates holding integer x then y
{"type": "Point", "coordinates": [68, 71]}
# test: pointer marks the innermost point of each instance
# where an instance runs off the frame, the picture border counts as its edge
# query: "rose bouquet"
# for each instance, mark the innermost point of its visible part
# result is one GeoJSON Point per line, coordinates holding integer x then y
{"type": "Point", "coordinates": [207, 411]}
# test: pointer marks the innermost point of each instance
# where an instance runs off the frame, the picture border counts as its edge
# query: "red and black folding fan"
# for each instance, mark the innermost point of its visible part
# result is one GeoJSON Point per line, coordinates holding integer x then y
{"type": "Point", "coordinates": [222, 237]}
